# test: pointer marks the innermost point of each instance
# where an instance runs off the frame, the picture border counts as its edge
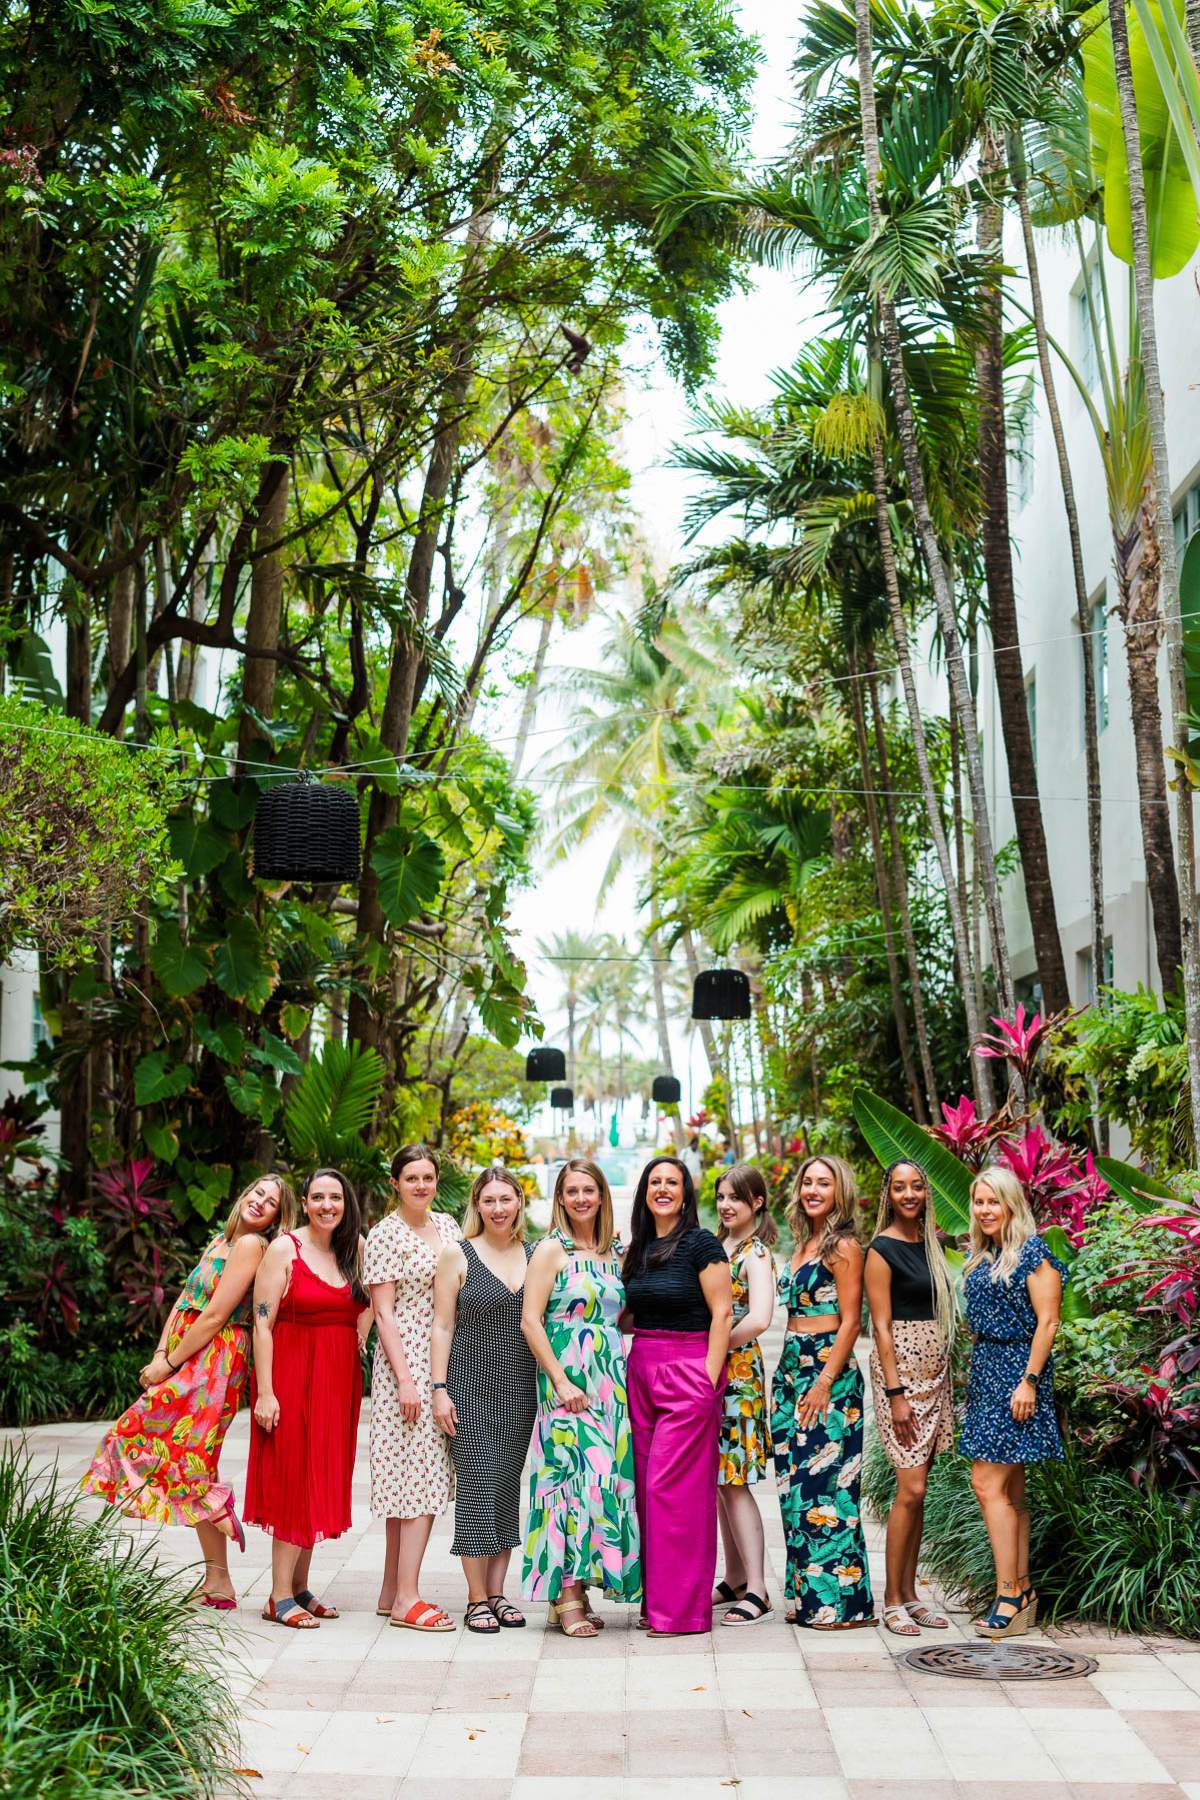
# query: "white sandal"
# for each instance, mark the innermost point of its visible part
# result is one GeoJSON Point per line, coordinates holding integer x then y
{"type": "Point", "coordinates": [927, 1617]}
{"type": "Point", "coordinates": [900, 1622]}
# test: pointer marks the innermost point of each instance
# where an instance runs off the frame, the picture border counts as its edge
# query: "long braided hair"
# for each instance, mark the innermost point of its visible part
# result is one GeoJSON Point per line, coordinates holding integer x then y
{"type": "Point", "coordinates": [945, 1306]}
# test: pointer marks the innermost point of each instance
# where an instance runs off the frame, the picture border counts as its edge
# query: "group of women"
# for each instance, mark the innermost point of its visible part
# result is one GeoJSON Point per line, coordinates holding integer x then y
{"type": "Point", "coordinates": [490, 1351]}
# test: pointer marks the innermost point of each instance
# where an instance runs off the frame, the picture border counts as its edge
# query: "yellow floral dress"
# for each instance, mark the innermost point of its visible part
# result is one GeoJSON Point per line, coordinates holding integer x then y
{"type": "Point", "coordinates": [745, 1428]}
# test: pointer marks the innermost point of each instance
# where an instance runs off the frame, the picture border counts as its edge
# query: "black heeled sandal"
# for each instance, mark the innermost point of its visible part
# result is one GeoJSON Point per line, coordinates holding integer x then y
{"type": "Point", "coordinates": [997, 1625]}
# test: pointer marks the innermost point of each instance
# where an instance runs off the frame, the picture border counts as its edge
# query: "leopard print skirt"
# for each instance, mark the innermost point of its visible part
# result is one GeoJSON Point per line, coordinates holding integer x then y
{"type": "Point", "coordinates": [924, 1367]}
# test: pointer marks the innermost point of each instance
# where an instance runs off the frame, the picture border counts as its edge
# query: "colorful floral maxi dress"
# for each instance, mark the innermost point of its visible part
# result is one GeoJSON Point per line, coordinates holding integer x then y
{"type": "Point", "coordinates": [159, 1461]}
{"type": "Point", "coordinates": [818, 1471]}
{"type": "Point", "coordinates": [745, 1431]}
{"type": "Point", "coordinates": [582, 1521]}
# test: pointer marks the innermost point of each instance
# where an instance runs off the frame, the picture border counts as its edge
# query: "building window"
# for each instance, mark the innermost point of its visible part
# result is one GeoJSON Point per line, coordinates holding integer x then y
{"type": "Point", "coordinates": [1099, 639]}
{"type": "Point", "coordinates": [1088, 295]}
{"type": "Point", "coordinates": [1031, 711]}
{"type": "Point", "coordinates": [1187, 517]}
{"type": "Point", "coordinates": [1087, 973]}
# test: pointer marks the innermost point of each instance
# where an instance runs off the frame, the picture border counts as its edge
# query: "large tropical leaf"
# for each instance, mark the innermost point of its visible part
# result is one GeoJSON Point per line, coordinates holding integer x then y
{"type": "Point", "coordinates": [1145, 1193]}
{"type": "Point", "coordinates": [1074, 1301]}
{"type": "Point", "coordinates": [893, 1137]}
{"type": "Point", "coordinates": [333, 1103]}
{"type": "Point", "coordinates": [410, 867]}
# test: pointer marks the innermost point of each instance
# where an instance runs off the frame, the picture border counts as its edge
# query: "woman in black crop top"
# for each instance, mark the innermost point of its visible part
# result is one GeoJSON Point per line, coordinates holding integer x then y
{"type": "Point", "coordinates": [679, 1305]}
{"type": "Point", "coordinates": [911, 1298]}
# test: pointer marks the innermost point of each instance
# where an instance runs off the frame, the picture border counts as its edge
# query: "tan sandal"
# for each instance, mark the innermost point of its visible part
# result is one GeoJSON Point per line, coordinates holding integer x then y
{"type": "Point", "coordinates": [926, 1616]}
{"type": "Point", "coordinates": [900, 1622]}
{"type": "Point", "coordinates": [582, 1628]}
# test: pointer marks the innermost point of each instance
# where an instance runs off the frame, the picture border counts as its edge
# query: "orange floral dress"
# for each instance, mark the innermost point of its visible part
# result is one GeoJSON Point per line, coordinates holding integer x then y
{"type": "Point", "coordinates": [159, 1461]}
{"type": "Point", "coordinates": [745, 1426]}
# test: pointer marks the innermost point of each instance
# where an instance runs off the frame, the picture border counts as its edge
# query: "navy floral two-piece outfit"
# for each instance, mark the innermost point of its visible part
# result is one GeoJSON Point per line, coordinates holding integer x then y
{"type": "Point", "coordinates": [1001, 1317]}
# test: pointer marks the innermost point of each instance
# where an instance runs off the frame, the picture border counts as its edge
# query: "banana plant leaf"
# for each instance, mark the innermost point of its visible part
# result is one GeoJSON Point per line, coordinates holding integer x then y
{"type": "Point", "coordinates": [1145, 1193]}
{"type": "Point", "coordinates": [1074, 1301]}
{"type": "Point", "coordinates": [893, 1137]}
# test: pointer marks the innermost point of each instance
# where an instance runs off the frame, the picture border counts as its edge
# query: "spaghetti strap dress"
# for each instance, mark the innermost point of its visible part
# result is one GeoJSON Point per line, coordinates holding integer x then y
{"type": "Point", "coordinates": [299, 1476]}
{"type": "Point", "coordinates": [745, 1445]}
{"type": "Point", "coordinates": [159, 1461]}
{"type": "Point", "coordinates": [492, 1381]}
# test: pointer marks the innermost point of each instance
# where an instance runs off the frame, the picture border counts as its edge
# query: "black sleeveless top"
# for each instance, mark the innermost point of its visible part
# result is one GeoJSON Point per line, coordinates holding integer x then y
{"type": "Point", "coordinates": [668, 1296]}
{"type": "Point", "coordinates": [912, 1284]}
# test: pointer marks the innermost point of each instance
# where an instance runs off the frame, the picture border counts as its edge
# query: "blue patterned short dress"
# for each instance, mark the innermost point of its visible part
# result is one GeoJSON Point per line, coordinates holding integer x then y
{"type": "Point", "coordinates": [1001, 1317]}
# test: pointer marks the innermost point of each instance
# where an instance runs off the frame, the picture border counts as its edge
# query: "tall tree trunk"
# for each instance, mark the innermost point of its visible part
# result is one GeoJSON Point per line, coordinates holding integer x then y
{"type": "Point", "coordinates": [79, 661]}
{"type": "Point", "coordinates": [1083, 612]}
{"type": "Point", "coordinates": [572, 1003]}
{"type": "Point", "coordinates": [529, 702]}
{"type": "Point", "coordinates": [883, 888]}
{"type": "Point", "coordinates": [188, 666]}
{"type": "Point", "coordinates": [900, 886]}
{"type": "Point", "coordinates": [1019, 749]}
{"type": "Point", "coordinates": [1137, 564]}
{"type": "Point", "coordinates": [654, 945]}
{"type": "Point", "coordinates": [980, 1071]}
{"type": "Point", "coordinates": [1144, 287]}
{"type": "Point", "coordinates": [906, 431]}
{"type": "Point", "coordinates": [266, 610]}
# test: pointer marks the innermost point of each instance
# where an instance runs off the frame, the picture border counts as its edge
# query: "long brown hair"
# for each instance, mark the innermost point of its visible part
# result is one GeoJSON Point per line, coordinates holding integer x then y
{"type": "Point", "coordinates": [943, 1288]}
{"type": "Point", "coordinates": [646, 1249]}
{"type": "Point", "coordinates": [746, 1183]}
{"type": "Point", "coordinates": [472, 1225]}
{"type": "Point", "coordinates": [843, 1220]}
{"type": "Point", "coordinates": [346, 1242]}
{"type": "Point", "coordinates": [285, 1218]}
{"type": "Point", "coordinates": [605, 1229]}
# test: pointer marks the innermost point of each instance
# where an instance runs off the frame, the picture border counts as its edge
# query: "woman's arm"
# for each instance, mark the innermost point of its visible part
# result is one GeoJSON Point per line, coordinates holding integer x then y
{"type": "Point", "coordinates": [716, 1284]}
{"type": "Point", "coordinates": [383, 1300]}
{"type": "Point", "coordinates": [270, 1285]}
{"type": "Point", "coordinates": [848, 1274]}
{"type": "Point", "coordinates": [545, 1265]}
{"type": "Point", "coordinates": [878, 1280]}
{"type": "Point", "coordinates": [366, 1317]}
{"type": "Point", "coordinates": [1044, 1286]}
{"type": "Point", "coordinates": [760, 1280]}
{"type": "Point", "coordinates": [447, 1282]}
{"type": "Point", "coordinates": [235, 1282]}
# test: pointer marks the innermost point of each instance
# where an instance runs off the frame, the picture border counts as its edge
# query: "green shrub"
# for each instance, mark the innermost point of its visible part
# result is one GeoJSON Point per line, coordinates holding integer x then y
{"type": "Point", "coordinates": [114, 1683]}
{"type": "Point", "coordinates": [1100, 1548]}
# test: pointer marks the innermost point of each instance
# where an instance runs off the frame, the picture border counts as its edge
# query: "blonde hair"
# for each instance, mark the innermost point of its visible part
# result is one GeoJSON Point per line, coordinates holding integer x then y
{"type": "Point", "coordinates": [472, 1225]}
{"type": "Point", "coordinates": [1019, 1224]}
{"type": "Point", "coordinates": [746, 1183]}
{"type": "Point", "coordinates": [945, 1307]}
{"type": "Point", "coordinates": [605, 1230]}
{"type": "Point", "coordinates": [842, 1221]}
{"type": "Point", "coordinates": [284, 1219]}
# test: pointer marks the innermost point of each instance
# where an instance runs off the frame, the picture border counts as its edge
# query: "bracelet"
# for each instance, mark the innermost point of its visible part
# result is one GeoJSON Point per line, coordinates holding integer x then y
{"type": "Point", "coordinates": [167, 1359]}
{"type": "Point", "coordinates": [1032, 1377]}
{"type": "Point", "coordinates": [437, 1385]}
{"type": "Point", "coordinates": [893, 1392]}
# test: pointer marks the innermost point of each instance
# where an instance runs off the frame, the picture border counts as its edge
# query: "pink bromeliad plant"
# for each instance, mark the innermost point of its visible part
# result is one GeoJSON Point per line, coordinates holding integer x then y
{"type": "Point", "coordinates": [1018, 1043]}
{"type": "Point", "coordinates": [1062, 1188]}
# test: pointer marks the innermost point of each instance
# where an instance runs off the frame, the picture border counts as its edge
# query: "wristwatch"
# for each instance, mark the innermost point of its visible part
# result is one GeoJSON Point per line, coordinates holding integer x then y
{"type": "Point", "coordinates": [1032, 1377]}
{"type": "Point", "coordinates": [893, 1392]}
{"type": "Point", "coordinates": [437, 1385]}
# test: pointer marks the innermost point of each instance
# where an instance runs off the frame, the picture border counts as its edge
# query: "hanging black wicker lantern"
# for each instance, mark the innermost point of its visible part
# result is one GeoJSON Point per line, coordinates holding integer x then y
{"type": "Point", "coordinates": [562, 1099]}
{"type": "Point", "coordinates": [545, 1064]}
{"type": "Point", "coordinates": [307, 831]}
{"type": "Point", "coordinates": [666, 1090]}
{"type": "Point", "coordinates": [721, 994]}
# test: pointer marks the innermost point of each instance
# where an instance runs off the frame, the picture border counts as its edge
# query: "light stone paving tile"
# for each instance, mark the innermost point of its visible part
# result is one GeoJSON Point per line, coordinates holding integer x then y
{"type": "Point", "coordinates": [280, 1742]}
{"type": "Point", "coordinates": [1093, 1745]}
{"type": "Point", "coordinates": [967, 1737]}
{"type": "Point", "coordinates": [756, 1689]}
{"type": "Point", "coordinates": [461, 1746]}
{"type": "Point", "coordinates": [871, 1746]}
{"type": "Point", "coordinates": [559, 1688]}
{"type": "Point", "coordinates": [367, 1744]}
{"type": "Point", "coordinates": [1171, 1696]}
{"type": "Point", "coordinates": [748, 1787]}
{"type": "Point", "coordinates": [1184, 1667]}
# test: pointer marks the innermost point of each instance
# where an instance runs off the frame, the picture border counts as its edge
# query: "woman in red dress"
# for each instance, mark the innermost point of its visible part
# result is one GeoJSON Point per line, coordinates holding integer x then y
{"type": "Point", "coordinates": [311, 1317]}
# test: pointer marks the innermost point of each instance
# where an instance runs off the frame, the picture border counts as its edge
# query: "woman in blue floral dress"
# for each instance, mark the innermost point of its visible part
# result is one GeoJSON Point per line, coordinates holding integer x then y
{"type": "Point", "coordinates": [817, 1401]}
{"type": "Point", "coordinates": [1013, 1288]}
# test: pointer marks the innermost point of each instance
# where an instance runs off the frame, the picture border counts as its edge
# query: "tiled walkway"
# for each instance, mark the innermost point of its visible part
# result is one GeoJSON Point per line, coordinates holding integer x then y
{"type": "Point", "coordinates": [361, 1711]}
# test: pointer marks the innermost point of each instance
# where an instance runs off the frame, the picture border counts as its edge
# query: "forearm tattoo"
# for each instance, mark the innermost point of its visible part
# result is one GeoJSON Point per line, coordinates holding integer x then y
{"type": "Point", "coordinates": [262, 1310]}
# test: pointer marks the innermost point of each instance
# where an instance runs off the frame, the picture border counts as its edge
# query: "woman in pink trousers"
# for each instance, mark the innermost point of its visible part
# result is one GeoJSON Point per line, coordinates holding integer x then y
{"type": "Point", "coordinates": [679, 1306]}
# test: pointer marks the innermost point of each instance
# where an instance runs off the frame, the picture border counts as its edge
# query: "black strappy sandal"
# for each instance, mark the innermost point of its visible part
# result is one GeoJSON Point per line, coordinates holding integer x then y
{"type": "Point", "coordinates": [725, 1593]}
{"type": "Point", "coordinates": [749, 1610]}
{"type": "Point", "coordinates": [477, 1612]}
{"type": "Point", "coordinates": [505, 1613]}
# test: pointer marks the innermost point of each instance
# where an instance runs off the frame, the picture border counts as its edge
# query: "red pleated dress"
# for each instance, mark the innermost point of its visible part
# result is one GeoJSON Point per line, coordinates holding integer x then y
{"type": "Point", "coordinates": [299, 1475]}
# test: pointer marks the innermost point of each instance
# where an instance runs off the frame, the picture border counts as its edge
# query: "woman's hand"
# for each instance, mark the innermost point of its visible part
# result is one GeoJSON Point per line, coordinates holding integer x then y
{"type": "Point", "coordinates": [410, 1401]}
{"type": "Point", "coordinates": [1023, 1404]}
{"type": "Point", "coordinates": [569, 1397]}
{"type": "Point", "coordinates": [445, 1415]}
{"type": "Point", "coordinates": [266, 1411]}
{"type": "Point", "coordinates": [157, 1370]}
{"type": "Point", "coordinates": [715, 1379]}
{"type": "Point", "coordinates": [815, 1403]}
{"type": "Point", "coordinates": [904, 1420]}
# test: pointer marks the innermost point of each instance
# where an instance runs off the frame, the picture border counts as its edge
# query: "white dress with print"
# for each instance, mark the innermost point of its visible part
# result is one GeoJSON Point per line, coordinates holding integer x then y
{"type": "Point", "coordinates": [411, 1468]}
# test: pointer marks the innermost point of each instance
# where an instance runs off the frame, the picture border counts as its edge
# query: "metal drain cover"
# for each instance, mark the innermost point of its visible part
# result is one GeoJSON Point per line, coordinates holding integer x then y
{"type": "Point", "coordinates": [986, 1661]}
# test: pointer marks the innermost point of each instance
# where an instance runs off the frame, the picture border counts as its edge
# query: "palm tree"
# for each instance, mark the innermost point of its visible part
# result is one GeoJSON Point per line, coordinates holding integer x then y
{"type": "Point", "coordinates": [1144, 288]}
{"type": "Point", "coordinates": [574, 955]}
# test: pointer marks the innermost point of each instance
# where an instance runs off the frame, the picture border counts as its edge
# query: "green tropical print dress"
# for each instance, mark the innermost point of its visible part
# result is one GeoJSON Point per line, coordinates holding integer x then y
{"type": "Point", "coordinates": [581, 1524]}
{"type": "Point", "coordinates": [818, 1471]}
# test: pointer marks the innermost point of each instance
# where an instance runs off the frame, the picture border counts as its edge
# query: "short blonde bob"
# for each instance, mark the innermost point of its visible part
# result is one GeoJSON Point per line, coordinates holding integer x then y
{"type": "Point", "coordinates": [842, 1221]}
{"type": "Point", "coordinates": [284, 1219]}
{"type": "Point", "coordinates": [472, 1225]}
{"type": "Point", "coordinates": [605, 1232]}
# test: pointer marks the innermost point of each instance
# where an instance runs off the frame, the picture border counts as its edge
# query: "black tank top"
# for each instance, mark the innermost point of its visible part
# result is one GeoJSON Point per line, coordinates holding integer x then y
{"type": "Point", "coordinates": [912, 1284]}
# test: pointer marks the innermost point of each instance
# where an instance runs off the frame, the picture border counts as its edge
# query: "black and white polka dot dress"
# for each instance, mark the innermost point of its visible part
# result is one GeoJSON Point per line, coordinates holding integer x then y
{"type": "Point", "coordinates": [492, 1382]}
